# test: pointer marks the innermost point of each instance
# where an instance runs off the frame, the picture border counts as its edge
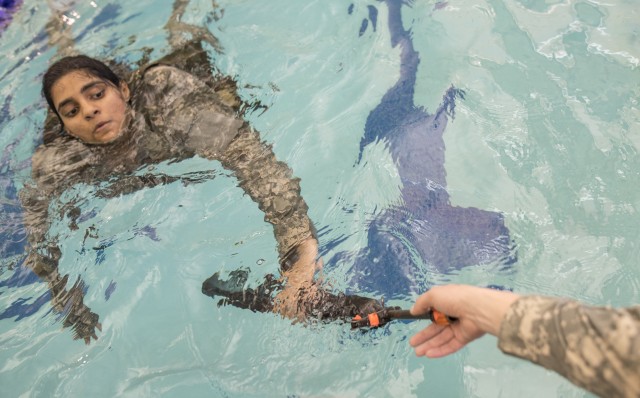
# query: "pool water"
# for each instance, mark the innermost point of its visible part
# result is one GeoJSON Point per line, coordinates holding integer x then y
{"type": "Point", "coordinates": [547, 135]}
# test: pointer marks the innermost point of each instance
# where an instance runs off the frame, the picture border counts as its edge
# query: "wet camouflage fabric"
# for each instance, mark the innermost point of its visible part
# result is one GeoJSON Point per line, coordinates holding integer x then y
{"type": "Point", "coordinates": [173, 105]}
{"type": "Point", "coordinates": [270, 184]}
{"type": "Point", "coordinates": [174, 116]}
{"type": "Point", "coordinates": [596, 348]}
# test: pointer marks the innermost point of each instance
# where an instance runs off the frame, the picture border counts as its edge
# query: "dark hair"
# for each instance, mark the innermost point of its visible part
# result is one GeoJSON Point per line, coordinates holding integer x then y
{"type": "Point", "coordinates": [75, 63]}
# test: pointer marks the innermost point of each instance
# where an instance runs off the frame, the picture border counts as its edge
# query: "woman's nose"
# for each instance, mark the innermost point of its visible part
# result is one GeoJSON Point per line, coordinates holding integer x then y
{"type": "Point", "coordinates": [90, 112]}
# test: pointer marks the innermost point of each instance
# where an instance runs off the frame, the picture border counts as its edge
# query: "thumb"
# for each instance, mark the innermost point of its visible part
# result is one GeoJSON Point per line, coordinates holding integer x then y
{"type": "Point", "coordinates": [422, 304]}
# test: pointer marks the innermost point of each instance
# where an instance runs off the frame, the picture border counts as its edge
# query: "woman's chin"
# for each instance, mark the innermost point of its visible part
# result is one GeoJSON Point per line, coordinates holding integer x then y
{"type": "Point", "coordinates": [107, 137]}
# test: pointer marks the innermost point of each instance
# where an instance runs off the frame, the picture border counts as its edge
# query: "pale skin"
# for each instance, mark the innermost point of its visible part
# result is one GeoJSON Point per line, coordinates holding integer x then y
{"type": "Point", "coordinates": [479, 311]}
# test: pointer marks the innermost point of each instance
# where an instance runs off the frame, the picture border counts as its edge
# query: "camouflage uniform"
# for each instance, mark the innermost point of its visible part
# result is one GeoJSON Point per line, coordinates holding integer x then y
{"type": "Point", "coordinates": [596, 348]}
{"type": "Point", "coordinates": [196, 121]}
{"type": "Point", "coordinates": [174, 115]}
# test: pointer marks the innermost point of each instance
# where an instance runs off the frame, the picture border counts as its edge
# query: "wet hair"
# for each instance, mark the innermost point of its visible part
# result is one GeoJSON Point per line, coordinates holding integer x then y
{"type": "Point", "coordinates": [67, 65]}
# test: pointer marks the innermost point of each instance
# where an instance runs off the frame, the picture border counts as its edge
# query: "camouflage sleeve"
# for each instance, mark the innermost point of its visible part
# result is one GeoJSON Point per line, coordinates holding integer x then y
{"type": "Point", "coordinates": [55, 167]}
{"type": "Point", "coordinates": [193, 113]}
{"type": "Point", "coordinates": [188, 111]}
{"type": "Point", "coordinates": [270, 184]}
{"type": "Point", "coordinates": [596, 348]}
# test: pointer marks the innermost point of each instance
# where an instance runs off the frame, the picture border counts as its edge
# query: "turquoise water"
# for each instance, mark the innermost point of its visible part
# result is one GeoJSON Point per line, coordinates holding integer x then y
{"type": "Point", "coordinates": [547, 135]}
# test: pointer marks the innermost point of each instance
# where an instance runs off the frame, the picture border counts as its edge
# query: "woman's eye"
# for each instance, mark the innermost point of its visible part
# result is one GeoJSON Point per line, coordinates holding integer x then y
{"type": "Point", "coordinates": [99, 94]}
{"type": "Point", "coordinates": [71, 112]}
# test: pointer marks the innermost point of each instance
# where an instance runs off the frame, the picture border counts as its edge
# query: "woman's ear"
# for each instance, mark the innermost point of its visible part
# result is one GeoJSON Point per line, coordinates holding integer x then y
{"type": "Point", "coordinates": [124, 89]}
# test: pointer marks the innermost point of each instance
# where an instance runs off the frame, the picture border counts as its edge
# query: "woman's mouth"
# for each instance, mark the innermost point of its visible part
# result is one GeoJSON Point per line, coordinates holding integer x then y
{"type": "Point", "coordinates": [100, 127]}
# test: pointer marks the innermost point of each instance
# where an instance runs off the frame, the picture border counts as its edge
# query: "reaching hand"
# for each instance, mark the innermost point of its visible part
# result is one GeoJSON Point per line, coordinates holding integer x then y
{"type": "Point", "coordinates": [478, 310]}
{"type": "Point", "coordinates": [298, 272]}
{"type": "Point", "coordinates": [436, 341]}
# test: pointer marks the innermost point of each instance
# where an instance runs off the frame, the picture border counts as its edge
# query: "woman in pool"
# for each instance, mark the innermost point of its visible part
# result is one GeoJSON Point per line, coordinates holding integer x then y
{"type": "Point", "coordinates": [111, 127]}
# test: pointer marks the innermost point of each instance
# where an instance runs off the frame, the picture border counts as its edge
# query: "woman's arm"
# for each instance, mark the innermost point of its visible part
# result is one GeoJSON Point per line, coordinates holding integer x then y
{"type": "Point", "coordinates": [49, 171]}
{"type": "Point", "coordinates": [270, 184]}
{"type": "Point", "coordinates": [178, 103]}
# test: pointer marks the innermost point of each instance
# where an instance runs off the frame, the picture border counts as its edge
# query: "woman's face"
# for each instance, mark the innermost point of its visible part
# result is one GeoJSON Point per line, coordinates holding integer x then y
{"type": "Point", "coordinates": [91, 109]}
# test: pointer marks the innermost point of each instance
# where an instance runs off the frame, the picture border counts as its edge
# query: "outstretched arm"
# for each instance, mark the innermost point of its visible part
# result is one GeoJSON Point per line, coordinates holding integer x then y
{"type": "Point", "coordinates": [270, 184]}
{"type": "Point", "coordinates": [596, 348]}
{"type": "Point", "coordinates": [179, 102]}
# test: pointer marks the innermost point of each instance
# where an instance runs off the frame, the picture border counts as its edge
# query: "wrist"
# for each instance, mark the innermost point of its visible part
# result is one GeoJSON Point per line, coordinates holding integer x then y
{"type": "Point", "coordinates": [491, 308]}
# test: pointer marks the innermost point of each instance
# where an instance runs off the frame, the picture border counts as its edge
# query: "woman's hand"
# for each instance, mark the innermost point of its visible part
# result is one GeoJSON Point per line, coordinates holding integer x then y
{"type": "Point", "coordinates": [298, 280]}
{"type": "Point", "coordinates": [478, 310]}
